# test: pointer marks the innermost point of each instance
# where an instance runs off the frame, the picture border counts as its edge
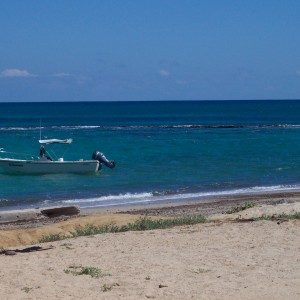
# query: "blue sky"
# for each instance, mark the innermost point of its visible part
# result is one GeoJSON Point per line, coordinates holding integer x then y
{"type": "Point", "coordinates": [115, 50]}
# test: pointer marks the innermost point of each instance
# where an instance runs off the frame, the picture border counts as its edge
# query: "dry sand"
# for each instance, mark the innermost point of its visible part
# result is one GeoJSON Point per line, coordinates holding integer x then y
{"type": "Point", "coordinates": [226, 259]}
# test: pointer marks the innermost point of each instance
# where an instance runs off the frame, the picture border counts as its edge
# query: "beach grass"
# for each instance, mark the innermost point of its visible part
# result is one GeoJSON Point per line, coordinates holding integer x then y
{"type": "Point", "coordinates": [139, 225]}
{"type": "Point", "coordinates": [146, 223]}
{"type": "Point", "coordinates": [295, 215]}
{"type": "Point", "coordinates": [239, 208]}
{"type": "Point", "coordinates": [53, 237]}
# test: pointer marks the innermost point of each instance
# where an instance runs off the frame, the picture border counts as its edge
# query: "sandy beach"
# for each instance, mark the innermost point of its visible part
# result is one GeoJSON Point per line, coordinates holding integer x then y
{"type": "Point", "coordinates": [233, 256]}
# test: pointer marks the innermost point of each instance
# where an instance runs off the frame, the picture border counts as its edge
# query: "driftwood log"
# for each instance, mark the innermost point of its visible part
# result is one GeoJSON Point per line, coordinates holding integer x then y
{"type": "Point", "coordinates": [26, 250]}
{"type": "Point", "coordinates": [60, 211]}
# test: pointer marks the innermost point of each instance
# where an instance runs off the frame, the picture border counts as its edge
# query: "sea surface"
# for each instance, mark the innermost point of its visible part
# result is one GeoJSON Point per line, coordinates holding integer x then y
{"type": "Point", "coordinates": [165, 151]}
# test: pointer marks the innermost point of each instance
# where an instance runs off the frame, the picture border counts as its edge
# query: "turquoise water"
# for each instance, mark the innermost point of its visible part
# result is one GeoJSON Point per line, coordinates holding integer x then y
{"type": "Point", "coordinates": [164, 151]}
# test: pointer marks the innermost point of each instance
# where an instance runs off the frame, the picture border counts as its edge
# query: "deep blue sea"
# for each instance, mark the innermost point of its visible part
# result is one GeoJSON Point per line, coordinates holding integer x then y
{"type": "Point", "coordinates": [165, 151]}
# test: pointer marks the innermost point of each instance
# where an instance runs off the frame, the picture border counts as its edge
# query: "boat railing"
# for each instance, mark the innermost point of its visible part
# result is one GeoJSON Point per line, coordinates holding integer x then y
{"type": "Point", "coordinates": [15, 155]}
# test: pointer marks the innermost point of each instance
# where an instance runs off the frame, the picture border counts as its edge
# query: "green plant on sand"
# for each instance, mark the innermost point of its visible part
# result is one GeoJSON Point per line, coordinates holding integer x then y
{"type": "Point", "coordinates": [283, 216]}
{"type": "Point", "coordinates": [139, 225]}
{"type": "Point", "coordinates": [79, 270]}
{"type": "Point", "coordinates": [241, 207]}
{"type": "Point", "coordinates": [148, 224]}
{"type": "Point", "coordinates": [52, 237]}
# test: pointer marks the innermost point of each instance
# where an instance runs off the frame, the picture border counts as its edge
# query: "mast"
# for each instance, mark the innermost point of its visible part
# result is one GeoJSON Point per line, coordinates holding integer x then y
{"type": "Point", "coordinates": [40, 129]}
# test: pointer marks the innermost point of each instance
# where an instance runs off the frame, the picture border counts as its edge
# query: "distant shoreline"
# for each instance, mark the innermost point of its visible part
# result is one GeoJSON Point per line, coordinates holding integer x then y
{"type": "Point", "coordinates": [158, 100]}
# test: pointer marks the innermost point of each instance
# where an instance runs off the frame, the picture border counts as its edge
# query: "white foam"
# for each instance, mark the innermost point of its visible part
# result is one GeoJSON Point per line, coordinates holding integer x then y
{"type": "Point", "coordinates": [140, 198]}
{"type": "Point", "coordinates": [127, 196]}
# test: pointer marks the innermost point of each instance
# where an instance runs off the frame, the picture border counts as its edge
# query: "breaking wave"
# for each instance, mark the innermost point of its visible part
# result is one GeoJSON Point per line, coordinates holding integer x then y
{"type": "Point", "coordinates": [182, 126]}
{"type": "Point", "coordinates": [146, 198]}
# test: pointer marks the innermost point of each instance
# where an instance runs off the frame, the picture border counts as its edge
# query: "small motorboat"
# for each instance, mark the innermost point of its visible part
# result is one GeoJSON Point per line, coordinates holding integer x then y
{"type": "Point", "coordinates": [20, 163]}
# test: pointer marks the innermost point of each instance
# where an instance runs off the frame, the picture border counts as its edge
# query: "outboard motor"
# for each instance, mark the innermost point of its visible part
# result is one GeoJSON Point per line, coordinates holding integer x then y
{"type": "Point", "coordinates": [103, 160]}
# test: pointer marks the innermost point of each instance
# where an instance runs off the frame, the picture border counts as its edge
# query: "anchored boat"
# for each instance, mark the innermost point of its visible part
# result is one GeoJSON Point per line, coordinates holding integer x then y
{"type": "Point", "coordinates": [46, 163]}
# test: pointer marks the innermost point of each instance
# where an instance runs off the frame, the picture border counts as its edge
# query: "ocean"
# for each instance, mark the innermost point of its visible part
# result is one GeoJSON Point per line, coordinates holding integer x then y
{"type": "Point", "coordinates": [165, 151]}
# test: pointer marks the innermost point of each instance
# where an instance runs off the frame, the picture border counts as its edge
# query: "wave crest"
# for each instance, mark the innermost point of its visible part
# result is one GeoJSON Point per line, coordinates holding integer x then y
{"type": "Point", "coordinates": [170, 126]}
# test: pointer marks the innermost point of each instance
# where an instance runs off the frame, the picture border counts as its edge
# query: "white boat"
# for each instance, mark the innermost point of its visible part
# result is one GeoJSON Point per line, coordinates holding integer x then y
{"type": "Point", "coordinates": [11, 163]}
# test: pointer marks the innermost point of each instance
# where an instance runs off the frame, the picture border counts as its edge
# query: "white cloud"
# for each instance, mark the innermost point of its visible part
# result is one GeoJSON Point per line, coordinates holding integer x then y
{"type": "Point", "coordinates": [15, 73]}
{"type": "Point", "coordinates": [181, 82]}
{"type": "Point", "coordinates": [61, 74]}
{"type": "Point", "coordinates": [164, 73]}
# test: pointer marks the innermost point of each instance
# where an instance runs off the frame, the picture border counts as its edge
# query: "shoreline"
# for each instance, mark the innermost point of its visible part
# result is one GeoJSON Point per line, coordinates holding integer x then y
{"type": "Point", "coordinates": [213, 205]}
{"type": "Point", "coordinates": [32, 218]}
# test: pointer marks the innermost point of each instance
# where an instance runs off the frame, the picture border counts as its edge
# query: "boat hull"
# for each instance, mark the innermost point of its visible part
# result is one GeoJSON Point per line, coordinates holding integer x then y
{"type": "Point", "coordinates": [15, 166]}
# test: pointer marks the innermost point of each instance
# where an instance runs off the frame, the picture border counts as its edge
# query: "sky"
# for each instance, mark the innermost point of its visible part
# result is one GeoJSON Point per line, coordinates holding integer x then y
{"type": "Point", "coordinates": [131, 50]}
